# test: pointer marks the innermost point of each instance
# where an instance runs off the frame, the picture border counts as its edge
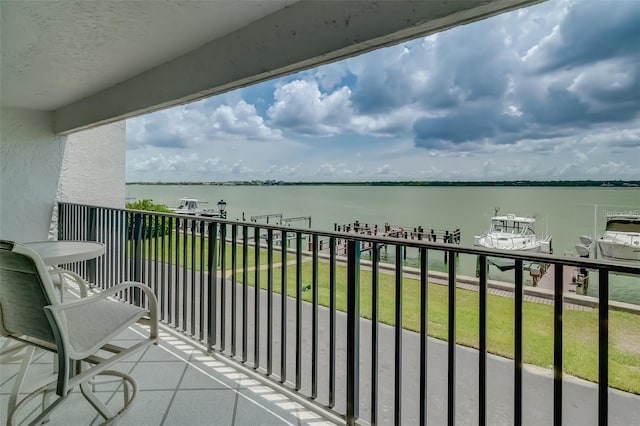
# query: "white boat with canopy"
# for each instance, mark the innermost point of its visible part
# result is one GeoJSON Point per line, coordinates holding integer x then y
{"type": "Point", "coordinates": [191, 206]}
{"type": "Point", "coordinates": [621, 238]}
{"type": "Point", "coordinates": [514, 233]}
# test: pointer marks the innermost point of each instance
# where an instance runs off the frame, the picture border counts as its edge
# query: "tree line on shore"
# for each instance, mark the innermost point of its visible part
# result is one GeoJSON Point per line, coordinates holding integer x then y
{"type": "Point", "coordinates": [544, 183]}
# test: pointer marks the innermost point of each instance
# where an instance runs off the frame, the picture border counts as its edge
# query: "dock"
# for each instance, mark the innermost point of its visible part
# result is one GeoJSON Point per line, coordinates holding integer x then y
{"type": "Point", "coordinates": [401, 232]}
{"type": "Point", "coordinates": [398, 232]}
{"type": "Point", "coordinates": [573, 279]}
{"type": "Point", "coordinates": [281, 220]}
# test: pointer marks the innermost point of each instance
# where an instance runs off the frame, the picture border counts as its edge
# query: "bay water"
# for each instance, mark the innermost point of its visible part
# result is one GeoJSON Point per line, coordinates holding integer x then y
{"type": "Point", "coordinates": [565, 213]}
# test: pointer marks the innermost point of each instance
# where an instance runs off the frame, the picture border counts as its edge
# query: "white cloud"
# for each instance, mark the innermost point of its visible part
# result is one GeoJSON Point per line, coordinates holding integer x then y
{"type": "Point", "coordinates": [161, 163]}
{"type": "Point", "coordinates": [301, 106]}
{"type": "Point", "coordinates": [340, 170]}
{"type": "Point", "coordinates": [384, 170]}
{"type": "Point", "coordinates": [614, 170]}
{"type": "Point", "coordinates": [194, 125]}
{"type": "Point", "coordinates": [329, 76]}
{"type": "Point", "coordinates": [241, 120]}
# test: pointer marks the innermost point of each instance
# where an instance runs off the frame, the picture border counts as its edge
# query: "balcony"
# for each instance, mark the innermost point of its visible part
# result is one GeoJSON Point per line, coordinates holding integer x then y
{"type": "Point", "coordinates": [336, 348]}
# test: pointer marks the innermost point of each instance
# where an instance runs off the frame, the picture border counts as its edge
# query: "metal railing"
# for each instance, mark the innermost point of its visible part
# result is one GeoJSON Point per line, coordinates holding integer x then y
{"type": "Point", "coordinates": [208, 275]}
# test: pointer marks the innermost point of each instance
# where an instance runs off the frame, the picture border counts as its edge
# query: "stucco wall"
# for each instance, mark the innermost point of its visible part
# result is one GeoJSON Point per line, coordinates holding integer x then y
{"type": "Point", "coordinates": [93, 169]}
{"type": "Point", "coordinates": [31, 160]}
{"type": "Point", "coordinates": [38, 168]}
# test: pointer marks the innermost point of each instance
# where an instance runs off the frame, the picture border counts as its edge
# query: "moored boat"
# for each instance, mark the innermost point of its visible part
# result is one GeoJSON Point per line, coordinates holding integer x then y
{"type": "Point", "coordinates": [191, 206]}
{"type": "Point", "coordinates": [514, 233]}
{"type": "Point", "coordinates": [621, 238]}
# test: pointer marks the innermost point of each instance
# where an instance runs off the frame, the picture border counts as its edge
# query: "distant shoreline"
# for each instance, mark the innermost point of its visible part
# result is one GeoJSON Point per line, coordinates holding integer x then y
{"type": "Point", "coordinates": [555, 183]}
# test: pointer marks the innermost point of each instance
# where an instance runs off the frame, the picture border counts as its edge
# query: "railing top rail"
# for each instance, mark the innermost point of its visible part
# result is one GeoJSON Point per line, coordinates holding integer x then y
{"type": "Point", "coordinates": [619, 267]}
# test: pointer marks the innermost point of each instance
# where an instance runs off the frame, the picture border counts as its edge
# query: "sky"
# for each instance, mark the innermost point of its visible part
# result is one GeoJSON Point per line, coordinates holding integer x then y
{"type": "Point", "coordinates": [549, 92]}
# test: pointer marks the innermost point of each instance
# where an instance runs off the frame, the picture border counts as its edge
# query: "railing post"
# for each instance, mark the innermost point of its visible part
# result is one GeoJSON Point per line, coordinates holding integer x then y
{"type": "Point", "coordinates": [353, 330]}
{"type": "Point", "coordinates": [256, 298]}
{"type": "Point", "coordinates": [269, 301]}
{"type": "Point", "coordinates": [234, 273]}
{"type": "Point", "coordinates": [92, 235]}
{"type": "Point", "coordinates": [375, 293]}
{"type": "Point", "coordinates": [332, 321]}
{"type": "Point", "coordinates": [424, 287]}
{"type": "Point", "coordinates": [298, 364]}
{"type": "Point", "coordinates": [557, 344]}
{"type": "Point", "coordinates": [451, 340]}
{"type": "Point", "coordinates": [517, 354]}
{"type": "Point", "coordinates": [400, 253]}
{"type": "Point", "coordinates": [213, 288]}
{"type": "Point", "coordinates": [314, 318]}
{"type": "Point", "coordinates": [223, 285]}
{"type": "Point", "coordinates": [245, 290]}
{"type": "Point", "coordinates": [61, 218]}
{"type": "Point", "coordinates": [136, 255]}
{"type": "Point", "coordinates": [482, 352]}
{"type": "Point", "coordinates": [283, 307]}
{"type": "Point", "coordinates": [603, 348]}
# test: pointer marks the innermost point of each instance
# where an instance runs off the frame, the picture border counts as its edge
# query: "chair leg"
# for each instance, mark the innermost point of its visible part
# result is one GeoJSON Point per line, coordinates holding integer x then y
{"type": "Point", "coordinates": [125, 391]}
{"type": "Point", "coordinates": [129, 393]}
{"type": "Point", "coordinates": [46, 402]}
{"type": "Point", "coordinates": [22, 373]}
{"type": "Point", "coordinates": [27, 358]}
{"type": "Point", "coordinates": [91, 397]}
{"type": "Point", "coordinates": [44, 415]}
{"type": "Point", "coordinates": [88, 391]}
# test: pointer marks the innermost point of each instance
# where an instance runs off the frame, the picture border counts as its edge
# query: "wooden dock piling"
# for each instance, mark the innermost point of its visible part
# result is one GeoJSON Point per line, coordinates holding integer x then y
{"type": "Point", "coordinates": [396, 232]}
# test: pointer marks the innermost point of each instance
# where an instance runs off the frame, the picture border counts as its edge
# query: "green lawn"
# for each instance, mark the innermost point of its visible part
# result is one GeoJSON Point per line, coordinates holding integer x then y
{"type": "Point", "coordinates": [580, 336]}
{"type": "Point", "coordinates": [175, 246]}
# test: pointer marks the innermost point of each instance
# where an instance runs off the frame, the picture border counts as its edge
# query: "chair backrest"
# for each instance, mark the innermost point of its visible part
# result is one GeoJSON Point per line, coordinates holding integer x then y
{"type": "Point", "coordinates": [25, 289]}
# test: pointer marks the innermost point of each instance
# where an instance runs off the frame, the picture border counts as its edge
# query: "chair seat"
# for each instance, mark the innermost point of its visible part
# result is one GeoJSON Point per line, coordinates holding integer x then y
{"type": "Point", "coordinates": [89, 326]}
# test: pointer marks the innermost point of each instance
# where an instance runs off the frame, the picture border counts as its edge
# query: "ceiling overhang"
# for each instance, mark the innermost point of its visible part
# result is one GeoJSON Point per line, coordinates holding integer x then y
{"type": "Point", "coordinates": [153, 70]}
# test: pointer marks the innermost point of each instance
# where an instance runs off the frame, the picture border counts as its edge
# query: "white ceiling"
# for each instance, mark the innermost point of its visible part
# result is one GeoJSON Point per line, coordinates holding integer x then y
{"type": "Point", "coordinates": [57, 52]}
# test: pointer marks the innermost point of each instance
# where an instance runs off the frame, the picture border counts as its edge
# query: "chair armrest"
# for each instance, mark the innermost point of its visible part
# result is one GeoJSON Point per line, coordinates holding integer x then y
{"type": "Point", "coordinates": [82, 284]}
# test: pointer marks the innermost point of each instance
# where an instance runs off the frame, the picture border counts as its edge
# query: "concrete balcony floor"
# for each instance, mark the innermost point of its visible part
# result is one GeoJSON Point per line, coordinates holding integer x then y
{"type": "Point", "coordinates": [178, 384]}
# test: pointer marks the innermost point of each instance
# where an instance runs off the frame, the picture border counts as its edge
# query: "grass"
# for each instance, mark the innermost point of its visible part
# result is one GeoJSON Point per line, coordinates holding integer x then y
{"type": "Point", "coordinates": [580, 328]}
{"type": "Point", "coordinates": [200, 252]}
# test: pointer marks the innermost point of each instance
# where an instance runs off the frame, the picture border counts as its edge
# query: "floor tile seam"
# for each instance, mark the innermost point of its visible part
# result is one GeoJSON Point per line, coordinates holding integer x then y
{"type": "Point", "coordinates": [139, 391]}
{"type": "Point", "coordinates": [257, 377]}
{"type": "Point", "coordinates": [119, 387]}
{"type": "Point", "coordinates": [211, 376]}
{"type": "Point", "coordinates": [32, 413]}
{"type": "Point", "coordinates": [175, 390]}
{"type": "Point", "coordinates": [17, 363]}
{"type": "Point", "coordinates": [151, 361]}
{"type": "Point", "coordinates": [114, 392]}
{"type": "Point", "coordinates": [235, 409]}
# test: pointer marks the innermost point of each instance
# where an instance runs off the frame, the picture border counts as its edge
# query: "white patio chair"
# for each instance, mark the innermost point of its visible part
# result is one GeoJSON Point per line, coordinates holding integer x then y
{"type": "Point", "coordinates": [12, 350]}
{"type": "Point", "coordinates": [78, 331]}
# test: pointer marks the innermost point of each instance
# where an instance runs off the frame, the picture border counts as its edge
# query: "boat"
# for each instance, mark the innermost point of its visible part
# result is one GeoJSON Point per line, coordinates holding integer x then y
{"type": "Point", "coordinates": [621, 238]}
{"type": "Point", "coordinates": [191, 206]}
{"type": "Point", "coordinates": [513, 233]}
{"type": "Point", "coordinates": [584, 246]}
